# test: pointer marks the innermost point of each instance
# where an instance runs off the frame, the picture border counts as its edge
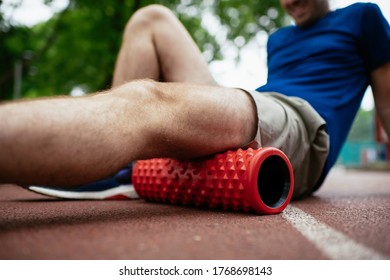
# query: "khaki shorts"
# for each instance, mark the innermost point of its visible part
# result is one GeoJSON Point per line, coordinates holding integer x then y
{"type": "Point", "coordinates": [293, 126]}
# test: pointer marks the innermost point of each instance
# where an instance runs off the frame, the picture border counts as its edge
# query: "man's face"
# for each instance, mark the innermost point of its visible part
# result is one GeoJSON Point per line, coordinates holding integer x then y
{"type": "Point", "coordinates": [305, 12]}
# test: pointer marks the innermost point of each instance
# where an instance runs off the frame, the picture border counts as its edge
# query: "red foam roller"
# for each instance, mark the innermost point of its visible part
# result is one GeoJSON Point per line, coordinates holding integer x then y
{"type": "Point", "coordinates": [252, 180]}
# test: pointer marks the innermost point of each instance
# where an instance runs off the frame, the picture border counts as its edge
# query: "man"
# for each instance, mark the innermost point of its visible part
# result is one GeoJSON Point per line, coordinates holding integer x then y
{"type": "Point", "coordinates": [331, 58]}
{"type": "Point", "coordinates": [191, 116]}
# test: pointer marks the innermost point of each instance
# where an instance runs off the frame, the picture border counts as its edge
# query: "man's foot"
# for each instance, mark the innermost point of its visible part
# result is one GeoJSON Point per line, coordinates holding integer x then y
{"type": "Point", "coordinates": [118, 186]}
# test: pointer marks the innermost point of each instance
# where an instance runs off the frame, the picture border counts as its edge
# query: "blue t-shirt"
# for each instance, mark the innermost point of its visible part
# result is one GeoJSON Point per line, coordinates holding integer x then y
{"type": "Point", "coordinates": [329, 65]}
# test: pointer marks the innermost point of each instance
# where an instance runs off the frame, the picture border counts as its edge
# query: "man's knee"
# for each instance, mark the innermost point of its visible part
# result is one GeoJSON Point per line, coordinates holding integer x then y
{"type": "Point", "coordinates": [149, 93]}
{"type": "Point", "coordinates": [149, 16]}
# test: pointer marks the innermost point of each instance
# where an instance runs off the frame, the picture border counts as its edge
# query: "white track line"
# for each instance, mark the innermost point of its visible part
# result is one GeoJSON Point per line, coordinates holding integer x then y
{"type": "Point", "coordinates": [330, 242]}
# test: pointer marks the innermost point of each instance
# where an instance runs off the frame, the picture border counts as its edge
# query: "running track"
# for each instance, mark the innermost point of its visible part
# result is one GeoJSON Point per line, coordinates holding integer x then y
{"type": "Point", "coordinates": [349, 218]}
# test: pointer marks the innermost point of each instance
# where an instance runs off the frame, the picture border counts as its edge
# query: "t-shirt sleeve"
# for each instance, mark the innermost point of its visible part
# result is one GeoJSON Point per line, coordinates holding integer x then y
{"type": "Point", "coordinates": [375, 37]}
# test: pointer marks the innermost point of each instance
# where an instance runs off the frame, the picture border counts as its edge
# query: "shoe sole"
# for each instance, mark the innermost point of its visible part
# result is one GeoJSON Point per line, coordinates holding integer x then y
{"type": "Point", "coordinates": [119, 192]}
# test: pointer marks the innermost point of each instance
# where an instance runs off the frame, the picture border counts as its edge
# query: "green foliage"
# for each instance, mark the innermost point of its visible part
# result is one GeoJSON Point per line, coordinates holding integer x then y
{"type": "Point", "coordinates": [246, 18]}
{"type": "Point", "coordinates": [78, 46]}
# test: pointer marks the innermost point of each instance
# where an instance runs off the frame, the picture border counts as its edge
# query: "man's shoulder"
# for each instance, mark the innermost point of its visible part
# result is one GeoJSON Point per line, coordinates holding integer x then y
{"type": "Point", "coordinates": [353, 12]}
{"type": "Point", "coordinates": [282, 30]}
{"type": "Point", "coordinates": [358, 12]}
{"type": "Point", "coordinates": [367, 16]}
{"type": "Point", "coordinates": [359, 8]}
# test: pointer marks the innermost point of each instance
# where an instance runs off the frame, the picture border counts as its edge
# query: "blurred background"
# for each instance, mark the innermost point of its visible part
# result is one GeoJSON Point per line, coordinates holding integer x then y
{"type": "Point", "coordinates": [50, 47]}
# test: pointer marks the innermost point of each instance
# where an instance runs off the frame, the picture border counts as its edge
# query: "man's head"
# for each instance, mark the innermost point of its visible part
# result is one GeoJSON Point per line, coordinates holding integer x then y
{"type": "Point", "coordinates": [305, 12]}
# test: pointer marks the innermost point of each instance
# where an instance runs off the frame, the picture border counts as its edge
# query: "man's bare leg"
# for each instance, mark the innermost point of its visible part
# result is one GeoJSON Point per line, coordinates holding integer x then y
{"type": "Point", "coordinates": [69, 141]}
{"type": "Point", "coordinates": [157, 46]}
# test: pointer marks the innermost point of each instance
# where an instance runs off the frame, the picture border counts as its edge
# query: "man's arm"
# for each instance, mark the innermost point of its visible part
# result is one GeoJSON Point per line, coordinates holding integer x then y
{"type": "Point", "coordinates": [380, 82]}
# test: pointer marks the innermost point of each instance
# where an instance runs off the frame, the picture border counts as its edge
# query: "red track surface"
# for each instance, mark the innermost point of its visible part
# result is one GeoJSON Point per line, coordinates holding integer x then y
{"type": "Point", "coordinates": [352, 206]}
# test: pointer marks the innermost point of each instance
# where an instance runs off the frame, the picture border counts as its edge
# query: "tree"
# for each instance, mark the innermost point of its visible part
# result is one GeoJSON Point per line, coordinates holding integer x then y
{"type": "Point", "coordinates": [78, 46]}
